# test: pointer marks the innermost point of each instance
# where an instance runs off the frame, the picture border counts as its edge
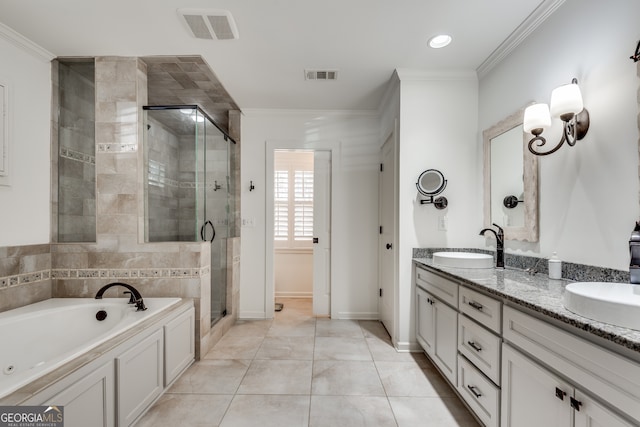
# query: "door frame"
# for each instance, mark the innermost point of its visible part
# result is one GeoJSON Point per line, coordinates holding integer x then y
{"type": "Point", "coordinates": [271, 146]}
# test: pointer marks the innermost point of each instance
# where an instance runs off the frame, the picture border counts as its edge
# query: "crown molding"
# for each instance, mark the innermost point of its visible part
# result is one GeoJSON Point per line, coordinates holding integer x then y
{"type": "Point", "coordinates": [25, 44]}
{"type": "Point", "coordinates": [529, 25]}
{"type": "Point", "coordinates": [409, 74]}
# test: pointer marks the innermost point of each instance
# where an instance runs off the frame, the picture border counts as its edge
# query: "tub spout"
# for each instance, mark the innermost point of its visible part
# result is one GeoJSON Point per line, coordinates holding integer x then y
{"type": "Point", "coordinates": [136, 298]}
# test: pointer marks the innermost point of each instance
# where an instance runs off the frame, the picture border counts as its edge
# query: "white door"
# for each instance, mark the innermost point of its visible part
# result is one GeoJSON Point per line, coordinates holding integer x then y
{"type": "Point", "coordinates": [590, 413]}
{"type": "Point", "coordinates": [322, 233]}
{"type": "Point", "coordinates": [386, 240]}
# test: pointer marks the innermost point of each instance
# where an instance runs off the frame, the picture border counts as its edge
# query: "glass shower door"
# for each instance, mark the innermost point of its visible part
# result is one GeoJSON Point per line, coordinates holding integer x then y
{"type": "Point", "coordinates": [217, 212]}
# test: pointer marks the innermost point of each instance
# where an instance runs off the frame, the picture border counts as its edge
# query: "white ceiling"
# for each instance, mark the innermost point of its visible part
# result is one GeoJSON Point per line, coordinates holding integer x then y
{"type": "Point", "coordinates": [364, 39]}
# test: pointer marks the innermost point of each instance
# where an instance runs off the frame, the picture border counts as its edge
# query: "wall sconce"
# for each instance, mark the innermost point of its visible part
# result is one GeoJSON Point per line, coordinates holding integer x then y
{"type": "Point", "coordinates": [566, 104]}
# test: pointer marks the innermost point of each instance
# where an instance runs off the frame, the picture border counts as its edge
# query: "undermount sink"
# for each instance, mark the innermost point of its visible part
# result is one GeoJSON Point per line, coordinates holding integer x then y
{"type": "Point", "coordinates": [614, 303]}
{"type": "Point", "coordinates": [463, 259]}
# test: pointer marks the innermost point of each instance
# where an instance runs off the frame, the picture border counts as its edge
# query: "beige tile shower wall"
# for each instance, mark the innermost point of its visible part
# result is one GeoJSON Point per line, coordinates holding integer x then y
{"type": "Point", "coordinates": [156, 269]}
{"type": "Point", "coordinates": [25, 275]}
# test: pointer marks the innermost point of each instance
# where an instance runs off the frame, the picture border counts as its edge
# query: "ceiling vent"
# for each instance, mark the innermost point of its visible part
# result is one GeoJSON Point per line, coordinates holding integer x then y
{"type": "Point", "coordinates": [210, 24]}
{"type": "Point", "coordinates": [321, 74]}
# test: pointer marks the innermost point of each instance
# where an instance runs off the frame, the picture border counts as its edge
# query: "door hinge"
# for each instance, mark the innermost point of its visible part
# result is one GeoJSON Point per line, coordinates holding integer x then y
{"type": "Point", "coordinates": [381, 167]}
{"type": "Point", "coordinates": [380, 292]}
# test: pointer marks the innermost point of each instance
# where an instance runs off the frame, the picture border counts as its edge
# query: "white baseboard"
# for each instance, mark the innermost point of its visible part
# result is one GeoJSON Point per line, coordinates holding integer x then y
{"type": "Point", "coordinates": [350, 315]}
{"type": "Point", "coordinates": [408, 347]}
{"type": "Point", "coordinates": [294, 294]}
{"type": "Point", "coordinates": [251, 315]}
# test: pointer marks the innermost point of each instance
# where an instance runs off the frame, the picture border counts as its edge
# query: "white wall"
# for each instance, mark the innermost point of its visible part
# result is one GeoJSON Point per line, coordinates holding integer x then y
{"type": "Point", "coordinates": [438, 129]}
{"type": "Point", "coordinates": [355, 224]}
{"type": "Point", "coordinates": [25, 203]}
{"type": "Point", "coordinates": [293, 271]}
{"type": "Point", "coordinates": [588, 193]}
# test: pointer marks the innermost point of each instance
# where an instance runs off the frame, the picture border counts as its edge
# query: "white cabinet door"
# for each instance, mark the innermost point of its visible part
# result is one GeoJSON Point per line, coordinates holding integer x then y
{"type": "Point", "coordinates": [179, 345]}
{"type": "Point", "coordinates": [140, 379]}
{"type": "Point", "coordinates": [90, 402]}
{"type": "Point", "coordinates": [531, 395]}
{"type": "Point", "coordinates": [591, 413]}
{"type": "Point", "coordinates": [446, 340]}
{"type": "Point", "coordinates": [437, 332]}
{"type": "Point", "coordinates": [425, 330]}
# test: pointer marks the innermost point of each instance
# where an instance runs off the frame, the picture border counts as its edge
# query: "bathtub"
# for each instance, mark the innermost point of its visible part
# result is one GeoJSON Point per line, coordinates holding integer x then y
{"type": "Point", "coordinates": [38, 338]}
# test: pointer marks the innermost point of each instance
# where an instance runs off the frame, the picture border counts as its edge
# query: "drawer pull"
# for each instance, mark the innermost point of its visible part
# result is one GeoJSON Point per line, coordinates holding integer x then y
{"type": "Point", "coordinates": [474, 390]}
{"type": "Point", "coordinates": [475, 305]}
{"type": "Point", "coordinates": [474, 346]}
{"type": "Point", "coordinates": [560, 394]}
{"type": "Point", "coordinates": [575, 404]}
{"type": "Point", "coordinates": [430, 301]}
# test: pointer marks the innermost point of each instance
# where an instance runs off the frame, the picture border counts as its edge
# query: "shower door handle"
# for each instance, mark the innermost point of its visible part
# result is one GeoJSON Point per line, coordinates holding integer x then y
{"type": "Point", "coordinates": [204, 228]}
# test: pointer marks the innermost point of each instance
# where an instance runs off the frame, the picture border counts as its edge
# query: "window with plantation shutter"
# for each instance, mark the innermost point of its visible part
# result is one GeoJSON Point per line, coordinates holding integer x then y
{"type": "Point", "coordinates": [293, 200]}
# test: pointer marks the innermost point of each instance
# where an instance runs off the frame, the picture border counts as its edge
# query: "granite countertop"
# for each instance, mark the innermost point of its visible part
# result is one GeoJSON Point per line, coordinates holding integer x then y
{"type": "Point", "coordinates": [536, 292]}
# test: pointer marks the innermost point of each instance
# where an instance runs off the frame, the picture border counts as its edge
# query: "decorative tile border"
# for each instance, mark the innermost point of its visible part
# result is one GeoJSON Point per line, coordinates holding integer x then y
{"type": "Point", "coordinates": [175, 273]}
{"type": "Point", "coordinates": [39, 276]}
{"type": "Point", "coordinates": [21, 279]}
{"type": "Point", "coordinates": [68, 153]}
{"type": "Point", "coordinates": [115, 147]}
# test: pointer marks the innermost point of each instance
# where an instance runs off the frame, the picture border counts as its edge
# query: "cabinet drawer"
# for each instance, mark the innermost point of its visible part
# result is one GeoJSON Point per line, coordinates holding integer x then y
{"type": "Point", "coordinates": [440, 287]}
{"type": "Point", "coordinates": [480, 346]}
{"type": "Point", "coordinates": [483, 309]}
{"type": "Point", "coordinates": [610, 376]}
{"type": "Point", "coordinates": [481, 394]}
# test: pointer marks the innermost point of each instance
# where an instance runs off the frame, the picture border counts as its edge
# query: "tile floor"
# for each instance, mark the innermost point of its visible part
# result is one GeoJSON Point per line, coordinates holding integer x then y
{"type": "Point", "coordinates": [297, 370]}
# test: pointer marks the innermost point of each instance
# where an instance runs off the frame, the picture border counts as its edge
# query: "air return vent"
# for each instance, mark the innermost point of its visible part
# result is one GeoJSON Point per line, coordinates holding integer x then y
{"type": "Point", "coordinates": [321, 74]}
{"type": "Point", "coordinates": [210, 23]}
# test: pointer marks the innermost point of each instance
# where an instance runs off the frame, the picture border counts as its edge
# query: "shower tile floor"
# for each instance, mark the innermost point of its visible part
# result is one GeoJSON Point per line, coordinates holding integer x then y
{"type": "Point", "coordinates": [297, 370]}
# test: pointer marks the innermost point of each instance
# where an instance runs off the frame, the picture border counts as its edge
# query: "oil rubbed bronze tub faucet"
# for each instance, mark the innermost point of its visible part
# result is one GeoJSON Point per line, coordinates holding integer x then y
{"type": "Point", "coordinates": [135, 297]}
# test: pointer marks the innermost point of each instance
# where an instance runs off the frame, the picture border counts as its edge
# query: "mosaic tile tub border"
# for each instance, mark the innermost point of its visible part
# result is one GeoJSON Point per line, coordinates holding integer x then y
{"type": "Point", "coordinates": [142, 273]}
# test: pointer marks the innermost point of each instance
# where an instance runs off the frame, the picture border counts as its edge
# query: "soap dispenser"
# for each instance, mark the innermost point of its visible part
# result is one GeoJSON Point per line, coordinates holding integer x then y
{"type": "Point", "coordinates": [555, 267]}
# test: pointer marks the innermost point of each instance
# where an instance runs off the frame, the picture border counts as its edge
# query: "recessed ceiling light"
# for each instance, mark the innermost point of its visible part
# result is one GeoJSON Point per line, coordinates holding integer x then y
{"type": "Point", "coordinates": [439, 41]}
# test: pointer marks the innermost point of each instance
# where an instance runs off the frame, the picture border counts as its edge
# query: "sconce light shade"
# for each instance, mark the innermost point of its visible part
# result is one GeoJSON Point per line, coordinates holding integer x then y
{"type": "Point", "coordinates": [536, 116]}
{"type": "Point", "coordinates": [566, 100]}
{"type": "Point", "coordinates": [566, 103]}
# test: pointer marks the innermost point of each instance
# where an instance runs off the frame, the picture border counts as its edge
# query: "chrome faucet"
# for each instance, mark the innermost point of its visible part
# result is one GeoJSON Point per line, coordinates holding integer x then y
{"type": "Point", "coordinates": [499, 244]}
{"type": "Point", "coordinates": [135, 298]}
{"type": "Point", "coordinates": [634, 249]}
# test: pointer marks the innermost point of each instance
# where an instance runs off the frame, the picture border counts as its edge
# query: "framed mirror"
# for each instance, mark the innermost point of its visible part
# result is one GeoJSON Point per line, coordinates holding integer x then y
{"type": "Point", "coordinates": [510, 180]}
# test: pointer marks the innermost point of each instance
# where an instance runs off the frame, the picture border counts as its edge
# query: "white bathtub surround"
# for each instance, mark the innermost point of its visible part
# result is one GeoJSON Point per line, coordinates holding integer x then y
{"type": "Point", "coordinates": [99, 364]}
{"type": "Point", "coordinates": [43, 336]}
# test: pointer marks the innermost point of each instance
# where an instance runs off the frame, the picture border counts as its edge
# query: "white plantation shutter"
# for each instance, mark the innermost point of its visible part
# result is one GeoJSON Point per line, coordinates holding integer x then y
{"type": "Point", "coordinates": [281, 199]}
{"type": "Point", "coordinates": [303, 206]}
{"type": "Point", "coordinates": [293, 200]}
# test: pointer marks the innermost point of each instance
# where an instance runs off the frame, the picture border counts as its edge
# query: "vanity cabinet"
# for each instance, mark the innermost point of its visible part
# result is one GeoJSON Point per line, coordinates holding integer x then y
{"type": "Point", "coordinates": [437, 322]}
{"type": "Point", "coordinates": [518, 368]}
{"type": "Point", "coordinates": [533, 396]}
{"type": "Point", "coordinates": [544, 380]}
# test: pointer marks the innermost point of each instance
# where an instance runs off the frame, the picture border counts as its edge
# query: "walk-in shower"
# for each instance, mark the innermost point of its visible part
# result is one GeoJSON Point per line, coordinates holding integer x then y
{"type": "Point", "coordinates": [187, 186]}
